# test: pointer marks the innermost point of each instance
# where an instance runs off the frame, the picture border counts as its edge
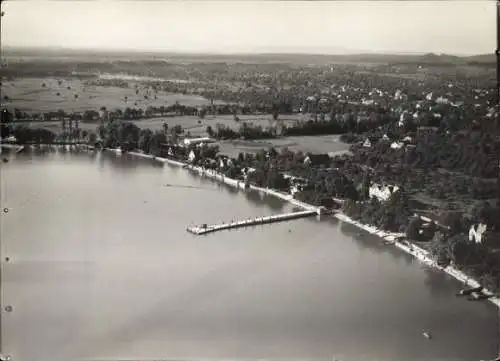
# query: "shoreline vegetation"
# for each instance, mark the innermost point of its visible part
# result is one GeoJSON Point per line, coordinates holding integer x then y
{"type": "Point", "coordinates": [422, 168]}
{"type": "Point", "coordinates": [269, 178]}
{"type": "Point", "coordinates": [391, 238]}
{"type": "Point", "coordinates": [321, 181]}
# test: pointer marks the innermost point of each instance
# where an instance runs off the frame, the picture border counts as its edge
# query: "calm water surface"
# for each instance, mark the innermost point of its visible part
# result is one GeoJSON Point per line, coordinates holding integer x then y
{"type": "Point", "coordinates": [102, 268]}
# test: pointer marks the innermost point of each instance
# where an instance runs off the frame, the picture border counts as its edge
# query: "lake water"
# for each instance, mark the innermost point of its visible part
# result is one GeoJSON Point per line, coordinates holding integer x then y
{"type": "Point", "coordinates": [102, 268]}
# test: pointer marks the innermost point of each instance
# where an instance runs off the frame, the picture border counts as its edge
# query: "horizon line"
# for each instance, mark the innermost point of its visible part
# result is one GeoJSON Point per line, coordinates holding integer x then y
{"type": "Point", "coordinates": [345, 52]}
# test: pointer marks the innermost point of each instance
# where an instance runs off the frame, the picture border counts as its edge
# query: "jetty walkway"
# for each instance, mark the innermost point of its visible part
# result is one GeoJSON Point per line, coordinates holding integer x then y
{"type": "Point", "coordinates": [204, 229]}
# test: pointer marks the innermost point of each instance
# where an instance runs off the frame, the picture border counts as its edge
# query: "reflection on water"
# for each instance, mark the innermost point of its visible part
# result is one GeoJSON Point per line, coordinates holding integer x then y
{"type": "Point", "coordinates": [437, 285]}
{"type": "Point", "coordinates": [103, 268]}
{"type": "Point", "coordinates": [371, 242]}
{"type": "Point", "coordinates": [275, 203]}
{"type": "Point", "coordinates": [362, 238]}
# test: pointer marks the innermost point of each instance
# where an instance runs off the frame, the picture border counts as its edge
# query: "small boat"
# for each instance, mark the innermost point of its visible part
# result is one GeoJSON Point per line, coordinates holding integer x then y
{"type": "Point", "coordinates": [495, 359]}
{"type": "Point", "coordinates": [427, 335]}
{"type": "Point", "coordinates": [469, 291]}
{"type": "Point", "coordinates": [478, 296]}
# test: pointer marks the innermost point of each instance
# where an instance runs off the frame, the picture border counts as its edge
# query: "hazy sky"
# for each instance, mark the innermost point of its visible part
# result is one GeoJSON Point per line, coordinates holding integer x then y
{"type": "Point", "coordinates": [459, 27]}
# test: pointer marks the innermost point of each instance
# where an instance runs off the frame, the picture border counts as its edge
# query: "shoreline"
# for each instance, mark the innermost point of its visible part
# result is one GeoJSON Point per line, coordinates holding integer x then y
{"type": "Point", "coordinates": [407, 247]}
{"type": "Point", "coordinates": [419, 253]}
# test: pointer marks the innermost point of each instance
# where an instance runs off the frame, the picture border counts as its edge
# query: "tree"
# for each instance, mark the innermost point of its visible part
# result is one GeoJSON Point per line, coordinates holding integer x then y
{"type": "Point", "coordinates": [455, 221]}
{"type": "Point", "coordinates": [129, 133]}
{"type": "Point", "coordinates": [439, 249]}
{"type": "Point", "coordinates": [177, 129]}
{"type": "Point", "coordinates": [276, 180]}
{"type": "Point", "coordinates": [413, 229]}
{"type": "Point", "coordinates": [365, 186]}
{"type": "Point", "coordinates": [145, 140]}
{"type": "Point", "coordinates": [458, 249]}
{"type": "Point", "coordinates": [202, 113]}
{"type": "Point", "coordinates": [149, 112]}
{"type": "Point", "coordinates": [42, 136]}
{"type": "Point", "coordinates": [276, 114]}
{"type": "Point", "coordinates": [23, 134]}
{"type": "Point", "coordinates": [5, 120]}
{"type": "Point", "coordinates": [92, 137]}
{"type": "Point", "coordinates": [273, 153]}
{"type": "Point", "coordinates": [17, 114]}
{"type": "Point", "coordinates": [210, 131]}
{"type": "Point", "coordinates": [482, 212]}
{"type": "Point", "coordinates": [102, 131]}
{"type": "Point", "coordinates": [241, 157]}
{"type": "Point", "coordinates": [76, 134]}
{"type": "Point", "coordinates": [157, 140]}
{"type": "Point", "coordinates": [90, 114]}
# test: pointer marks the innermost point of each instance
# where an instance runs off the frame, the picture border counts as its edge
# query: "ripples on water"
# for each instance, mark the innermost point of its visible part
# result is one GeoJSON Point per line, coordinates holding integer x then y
{"type": "Point", "coordinates": [103, 268]}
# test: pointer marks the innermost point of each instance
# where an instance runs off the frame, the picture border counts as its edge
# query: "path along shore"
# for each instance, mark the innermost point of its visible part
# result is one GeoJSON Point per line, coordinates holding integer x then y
{"type": "Point", "coordinates": [393, 238]}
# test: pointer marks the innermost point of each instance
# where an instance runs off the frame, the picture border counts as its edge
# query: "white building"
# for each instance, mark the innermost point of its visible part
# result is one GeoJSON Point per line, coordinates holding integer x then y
{"type": "Point", "coordinates": [405, 116]}
{"type": "Point", "coordinates": [476, 232]}
{"type": "Point", "coordinates": [191, 156]}
{"type": "Point", "coordinates": [197, 141]}
{"type": "Point", "coordinates": [397, 145]}
{"type": "Point", "coordinates": [442, 100]}
{"type": "Point", "coordinates": [382, 193]}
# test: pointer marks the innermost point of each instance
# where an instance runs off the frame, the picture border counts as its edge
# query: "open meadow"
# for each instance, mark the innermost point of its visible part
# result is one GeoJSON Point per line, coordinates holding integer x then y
{"type": "Point", "coordinates": [74, 95]}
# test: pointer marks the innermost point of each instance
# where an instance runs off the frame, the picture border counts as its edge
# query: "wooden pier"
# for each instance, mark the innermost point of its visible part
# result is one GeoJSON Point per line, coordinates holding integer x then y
{"type": "Point", "coordinates": [204, 229]}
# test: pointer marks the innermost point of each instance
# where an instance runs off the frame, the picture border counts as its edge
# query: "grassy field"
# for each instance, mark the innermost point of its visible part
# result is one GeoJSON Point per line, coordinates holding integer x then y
{"type": "Point", "coordinates": [28, 94]}
{"type": "Point", "coordinates": [314, 144]}
{"type": "Point", "coordinates": [197, 126]}
{"type": "Point", "coordinates": [192, 124]}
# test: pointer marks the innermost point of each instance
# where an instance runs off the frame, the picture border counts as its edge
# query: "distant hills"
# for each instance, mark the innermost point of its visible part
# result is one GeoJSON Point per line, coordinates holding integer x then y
{"type": "Point", "coordinates": [483, 58]}
{"type": "Point", "coordinates": [376, 58]}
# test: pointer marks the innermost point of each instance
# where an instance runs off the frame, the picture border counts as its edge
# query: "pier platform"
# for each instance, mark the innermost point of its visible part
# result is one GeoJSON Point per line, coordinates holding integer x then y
{"type": "Point", "coordinates": [204, 229]}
